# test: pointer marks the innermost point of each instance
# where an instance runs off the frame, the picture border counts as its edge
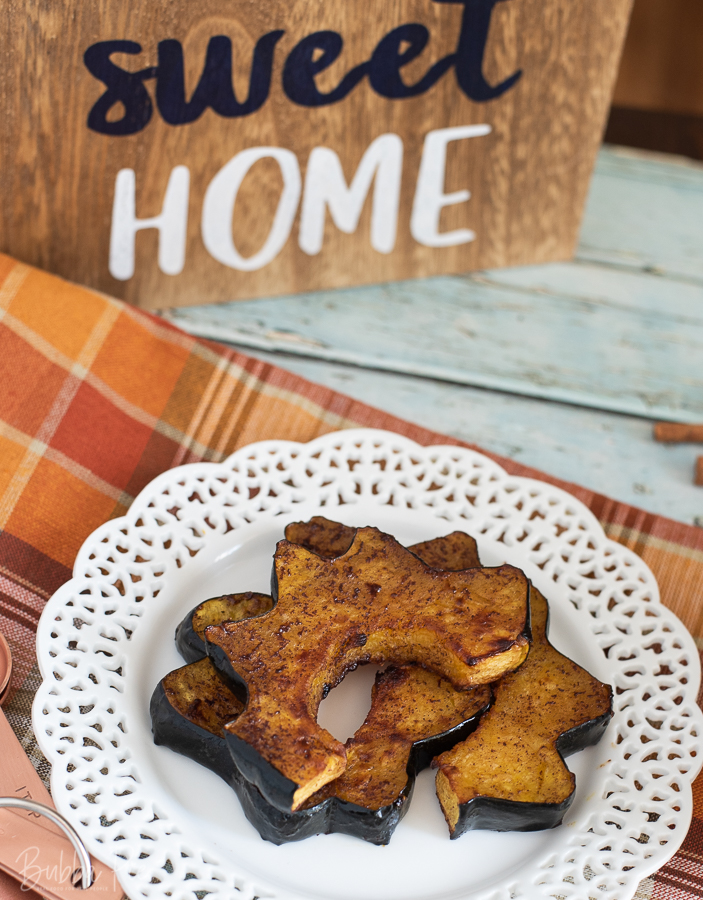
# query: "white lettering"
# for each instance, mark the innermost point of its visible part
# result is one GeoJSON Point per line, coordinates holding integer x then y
{"type": "Point", "coordinates": [171, 223]}
{"type": "Point", "coordinates": [221, 195]}
{"type": "Point", "coordinates": [325, 186]}
{"type": "Point", "coordinates": [430, 198]}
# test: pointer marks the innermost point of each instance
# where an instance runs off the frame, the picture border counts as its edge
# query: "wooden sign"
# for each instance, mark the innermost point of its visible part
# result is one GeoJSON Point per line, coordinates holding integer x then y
{"type": "Point", "coordinates": [175, 152]}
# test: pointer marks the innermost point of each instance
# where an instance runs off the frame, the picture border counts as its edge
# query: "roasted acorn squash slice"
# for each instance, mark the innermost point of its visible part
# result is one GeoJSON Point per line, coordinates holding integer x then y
{"type": "Point", "coordinates": [414, 715]}
{"type": "Point", "coordinates": [190, 633]}
{"type": "Point", "coordinates": [188, 710]}
{"type": "Point", "coordinates": [510, 773]}
{"type": "Point", "coordinates": [378, 602]}
{"type": "Point", "coordinates": [322, 536]}
{"type": "Point", "coordinates": [454, 552]}
{"type": "Point", "coordinates": [332, 539]}
{"type": "Point", "coordinates": [326, 538]}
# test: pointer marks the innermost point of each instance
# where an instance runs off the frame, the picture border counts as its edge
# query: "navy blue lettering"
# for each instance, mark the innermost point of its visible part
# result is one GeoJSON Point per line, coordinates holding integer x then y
{"type": "Point", "coordinates": [468, 59]}
{"type": "Point", "coordinates": [122, 87]}
{"type": "Point", "coordinates": [301, 68]}
{"type": "Point", "coordinates": [215, 88]}
{"type": "Point", "coordinates": [310, 56]}
{"type": "Point", "coordinates": [387, 60]}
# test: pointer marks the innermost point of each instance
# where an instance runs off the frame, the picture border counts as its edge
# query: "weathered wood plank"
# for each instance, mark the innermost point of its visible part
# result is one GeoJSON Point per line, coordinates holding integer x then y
{"type": "Point", "coordinates": [645, 211]}
{"type": "Point", "coordinates": [618, 346]}
{"type": "Point", "coordinates": [610, 453]}
{"type": "Point", "coordinates": [610, 334]}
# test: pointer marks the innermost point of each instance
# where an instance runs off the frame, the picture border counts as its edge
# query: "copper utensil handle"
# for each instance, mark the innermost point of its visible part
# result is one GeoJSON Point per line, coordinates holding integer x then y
{"type": "Point", "coordinates": [66, 827]}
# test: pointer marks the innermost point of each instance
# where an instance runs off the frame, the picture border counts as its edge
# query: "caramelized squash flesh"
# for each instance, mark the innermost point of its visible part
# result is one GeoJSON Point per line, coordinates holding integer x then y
{"type": "Point", "coordinates": [454, 552]}
{"type": "Point", "coordinates": [322, 536]}
{"type": "Point", "coordinates": [325, 538]}
{"type": "Point", "coordinates": [377, 602]}
{"type": "Point", "coordinates": [190, 634]}
{"type": "Point", "coordinates": [332, 539]}
{"type": "Point", "coordinates": [510, 773]}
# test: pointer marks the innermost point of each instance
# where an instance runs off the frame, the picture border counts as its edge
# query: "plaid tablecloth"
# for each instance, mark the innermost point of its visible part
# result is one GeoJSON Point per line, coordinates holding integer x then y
{"type": "Point", "coordinates": [97, 398]}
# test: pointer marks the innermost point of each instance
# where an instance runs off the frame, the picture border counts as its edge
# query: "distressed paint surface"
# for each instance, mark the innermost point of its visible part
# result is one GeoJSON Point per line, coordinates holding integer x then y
{"type": "Point", "coordinates": [522, 337]}
{"type": "Point", "coordinates": [645, 212]}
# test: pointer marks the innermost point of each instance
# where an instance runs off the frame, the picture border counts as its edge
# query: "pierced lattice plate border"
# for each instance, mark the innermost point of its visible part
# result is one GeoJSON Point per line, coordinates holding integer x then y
{"type": "Point", "coordinates": [171, 828]}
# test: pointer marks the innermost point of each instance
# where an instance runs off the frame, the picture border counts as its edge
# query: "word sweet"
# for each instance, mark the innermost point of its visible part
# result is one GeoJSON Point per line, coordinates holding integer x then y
{"type": "Point", "coordinates": [325, 189]}
{"type": "Point", "coordinates": [310, 56]}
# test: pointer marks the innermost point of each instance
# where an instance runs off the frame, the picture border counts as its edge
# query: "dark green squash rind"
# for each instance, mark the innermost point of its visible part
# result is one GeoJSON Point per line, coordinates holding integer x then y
{"type": "Point", "coordinates": [226, 671]}
{"type": "Point", "coordinates": [585, 735]}
{"type": "Point", "coordinates": [330, 816]}
{"type": "Point", "coordinates": [189, 644]}
{"type": "Point", "coordinates": [425, 750]}
{"type": "Point", "coordinates": [171, 729]}
{"type": "Point", "coordinates": [495, 814]}
{"type": "Point", "coordinates": [276, 790]}
{"type": "Point", "coordinates": [334, 815]}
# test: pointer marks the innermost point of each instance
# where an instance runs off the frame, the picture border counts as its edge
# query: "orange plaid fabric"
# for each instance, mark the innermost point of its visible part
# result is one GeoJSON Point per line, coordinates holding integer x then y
{"type": "Point", "coordinates": [97, 398]}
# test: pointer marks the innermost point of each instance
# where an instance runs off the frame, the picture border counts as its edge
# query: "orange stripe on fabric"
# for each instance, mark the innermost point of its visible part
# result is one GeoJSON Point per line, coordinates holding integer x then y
{"type": "Point", "coordinates": [41, 448]}
{"type": "Point", "coordinates": [97, 336]}
{"type": "Point", "coordinates": [221, 405]}
{"type": "Point", "coordinates": [81, 367]}
{"type": "Point", "coordinates": [11, 454]}
{"type": "Point", "coordinates": [11, 285]}
{"type": "Point", "coordinates": [87, 477]}
{"type": "Point", "coordinates": [16, 487]}
{"type": "Point", "coordinates": [52, 498]}
{"type": "Point", "coordinates": [191, 437]}
{"type": "Point", "coordinates": [37, 448]}
{"type": "Point", "coordinates": [237, 390]}
{"type": "Point", "coordinates": [164, 331]}
{"type": "Point", "coordinates": [138, 414]}
{"type": "Point", "coordinates": [39, 342]}
{"type": "Point", "coordinates": [155, 364]}
{"type": "Point", "coordinates": [62, 313]}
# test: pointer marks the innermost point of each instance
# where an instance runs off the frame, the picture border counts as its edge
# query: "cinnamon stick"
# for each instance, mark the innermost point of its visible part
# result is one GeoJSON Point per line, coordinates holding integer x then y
{"type": "Point", "coordinates": [699, 471]}
{"type": "Point", "coordinates": [678, 433]}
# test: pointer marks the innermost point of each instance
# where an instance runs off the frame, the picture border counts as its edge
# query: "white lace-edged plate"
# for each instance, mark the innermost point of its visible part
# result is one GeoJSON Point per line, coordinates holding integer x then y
{"type": "Point", "coordinates": [173, 829]}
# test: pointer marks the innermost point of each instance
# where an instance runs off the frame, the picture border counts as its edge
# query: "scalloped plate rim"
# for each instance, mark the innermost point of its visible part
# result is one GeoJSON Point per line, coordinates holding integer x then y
{"type": "Point", "coordinates": [166, 478]}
